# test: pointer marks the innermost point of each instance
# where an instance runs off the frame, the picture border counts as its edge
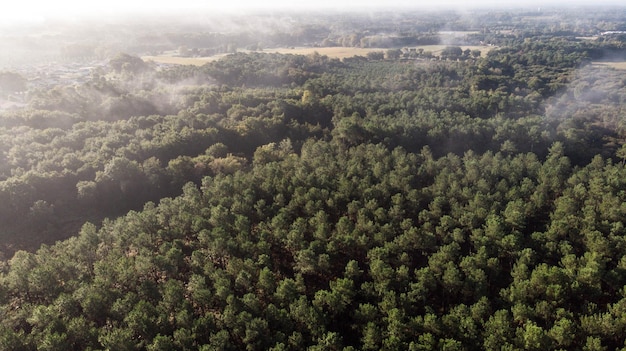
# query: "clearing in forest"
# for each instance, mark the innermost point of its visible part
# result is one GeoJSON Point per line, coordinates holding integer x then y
{"type": "Point", "coordinates": [333, 52]}
{"type": "Point", "coordinates": [613, 64]}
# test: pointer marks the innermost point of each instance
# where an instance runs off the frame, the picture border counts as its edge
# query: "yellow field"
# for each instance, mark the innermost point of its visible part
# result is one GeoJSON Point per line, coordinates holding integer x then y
{"type": "Point", "coordinates": [333, 52]}
{"type": "Point", "coordinates": [341, 52]}
{"type": "Point", "coordinates": [617, 65]}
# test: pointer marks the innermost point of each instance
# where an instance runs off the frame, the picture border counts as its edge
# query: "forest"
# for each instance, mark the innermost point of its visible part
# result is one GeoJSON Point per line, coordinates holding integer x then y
{"type": "Point", "coordinates": [461, 201]}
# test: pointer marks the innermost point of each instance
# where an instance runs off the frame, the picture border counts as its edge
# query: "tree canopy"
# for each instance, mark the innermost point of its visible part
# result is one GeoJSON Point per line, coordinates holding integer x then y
{"type": "Point", "coordinates": [398, 201]}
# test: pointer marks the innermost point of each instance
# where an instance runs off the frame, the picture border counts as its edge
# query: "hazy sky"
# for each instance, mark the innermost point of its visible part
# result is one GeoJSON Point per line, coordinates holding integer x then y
{"type": "Point", "coordinates": [33, 10]}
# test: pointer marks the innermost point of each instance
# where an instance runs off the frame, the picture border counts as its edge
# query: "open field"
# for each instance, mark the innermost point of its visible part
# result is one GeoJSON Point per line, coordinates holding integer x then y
{"type": "Point", "coordinates": [617, 64]}
{"type": "Point", "coordinates": [343, 52]}
{"type": "Point", "coordinates": [334, 52]}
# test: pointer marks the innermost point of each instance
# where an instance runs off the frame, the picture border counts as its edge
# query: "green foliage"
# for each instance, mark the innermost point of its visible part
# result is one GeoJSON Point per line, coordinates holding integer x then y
{"type": "Point", "coordinates": [311, 203]}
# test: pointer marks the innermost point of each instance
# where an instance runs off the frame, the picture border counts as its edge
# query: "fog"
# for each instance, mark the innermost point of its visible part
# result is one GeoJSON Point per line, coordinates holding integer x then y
{"type": "Point", "coordinates": [32, 11]}
{"type": "Point", "coordinates": [428, 189]}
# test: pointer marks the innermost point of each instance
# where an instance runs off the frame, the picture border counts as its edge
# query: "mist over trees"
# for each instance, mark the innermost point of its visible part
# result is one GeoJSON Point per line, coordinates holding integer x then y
{"type": "Point", "coordinates": [465, 199]}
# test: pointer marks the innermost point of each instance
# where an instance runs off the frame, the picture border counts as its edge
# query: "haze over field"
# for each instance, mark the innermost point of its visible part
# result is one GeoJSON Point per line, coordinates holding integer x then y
{"type": "Point", "coordinates": [37, 10]}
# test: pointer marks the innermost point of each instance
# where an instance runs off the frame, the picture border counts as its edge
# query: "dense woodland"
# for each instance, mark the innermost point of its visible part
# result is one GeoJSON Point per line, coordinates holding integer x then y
{"type": "Point", "coordinates": [281, 202]}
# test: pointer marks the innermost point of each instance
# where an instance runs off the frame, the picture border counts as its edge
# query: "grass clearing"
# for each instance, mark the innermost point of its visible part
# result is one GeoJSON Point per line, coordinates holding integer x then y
{"type": "Point", "coordinates": [621, 65]}
{"type": "Point", "coordinates": [332, 52]}
{"type": "Point", "coordinates": [344, 52]}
